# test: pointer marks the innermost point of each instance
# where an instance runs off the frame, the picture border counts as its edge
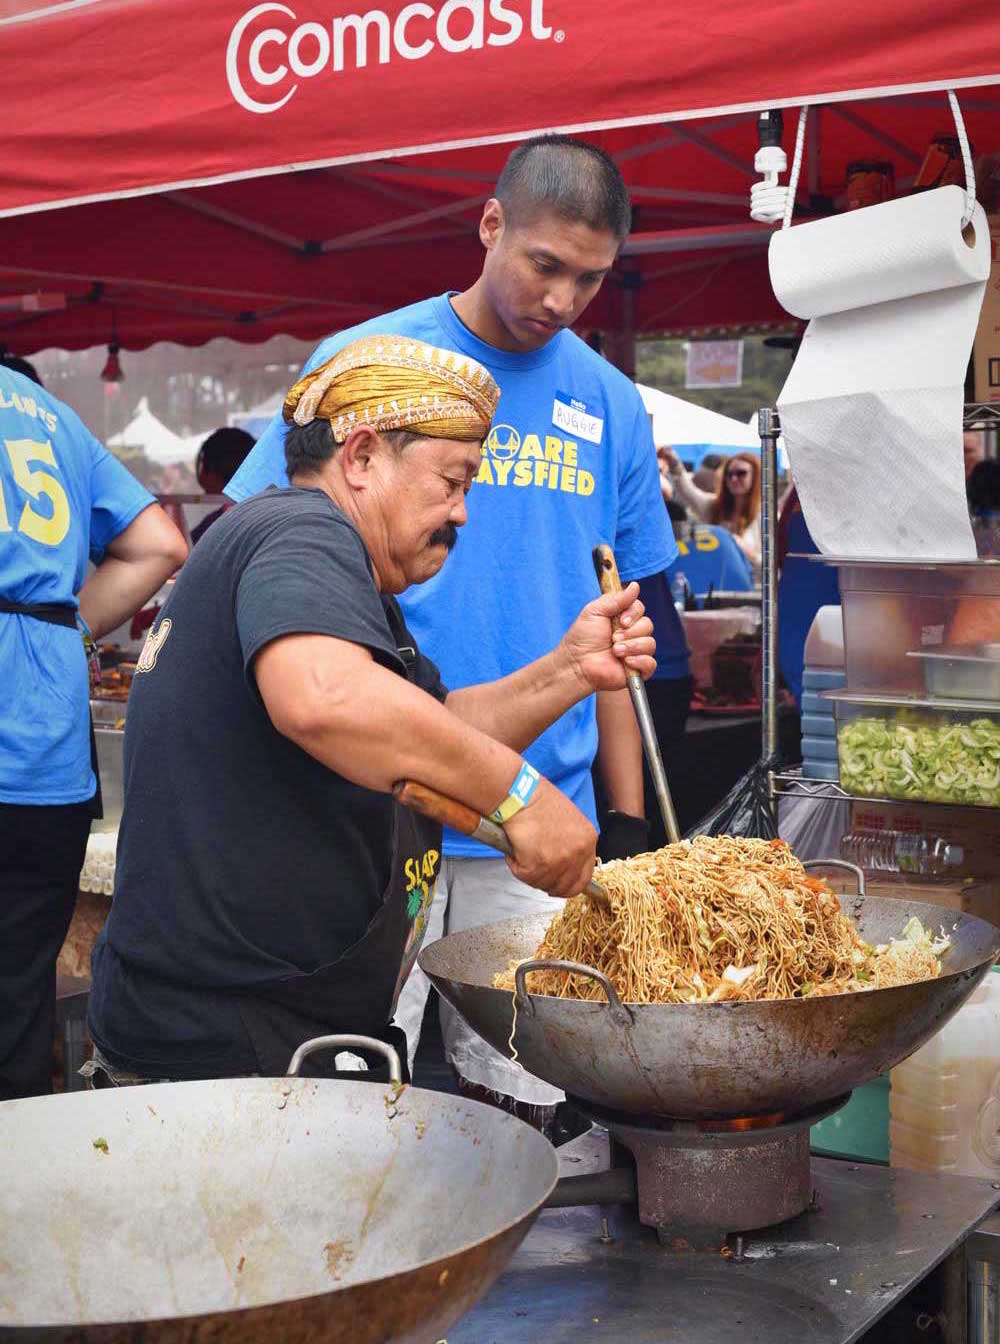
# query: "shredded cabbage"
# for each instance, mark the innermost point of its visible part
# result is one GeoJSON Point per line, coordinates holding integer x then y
{"type": "Point", "coordinates": [915, 933]}
{"type": "Point", "coordinates": [937, 761]}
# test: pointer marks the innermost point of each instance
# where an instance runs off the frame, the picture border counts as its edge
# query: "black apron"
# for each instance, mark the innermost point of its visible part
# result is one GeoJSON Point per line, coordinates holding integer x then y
{"type": "Point", "coordinates": [356, 994]}
{"type": "Point", "coordinates": [61, 613]}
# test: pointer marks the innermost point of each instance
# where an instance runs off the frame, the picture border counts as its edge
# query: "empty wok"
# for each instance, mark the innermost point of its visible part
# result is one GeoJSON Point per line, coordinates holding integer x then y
{"type": "Point", "coordinates": [288, 1209]}
{"type": "Point", "coordinates": [712, 1060]}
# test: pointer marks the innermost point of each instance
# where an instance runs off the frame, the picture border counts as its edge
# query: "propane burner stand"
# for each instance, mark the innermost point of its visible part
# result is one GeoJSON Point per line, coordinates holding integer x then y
{"type": "Point", "coordinates": [699, 1180]}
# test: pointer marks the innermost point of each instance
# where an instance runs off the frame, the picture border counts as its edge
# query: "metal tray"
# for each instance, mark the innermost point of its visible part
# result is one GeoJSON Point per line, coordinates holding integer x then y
{"type": "Point", "coordinates": [965, 672]}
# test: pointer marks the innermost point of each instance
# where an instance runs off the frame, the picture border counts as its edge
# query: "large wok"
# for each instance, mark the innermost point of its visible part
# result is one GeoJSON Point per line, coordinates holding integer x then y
{"type": "Point", "coordinates": [719, 1060]}
{"type": "Point", "coordinates": [286, 1209]}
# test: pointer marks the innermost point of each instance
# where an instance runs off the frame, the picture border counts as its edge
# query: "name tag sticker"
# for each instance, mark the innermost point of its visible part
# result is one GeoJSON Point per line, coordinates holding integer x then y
{"type": "Point", "coordinates": [571, 414]}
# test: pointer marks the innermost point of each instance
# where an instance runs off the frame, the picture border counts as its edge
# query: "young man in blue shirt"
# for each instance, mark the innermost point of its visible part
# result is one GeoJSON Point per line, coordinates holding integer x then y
{"type": "Point", "coordinates": [569, 462]}
{"type": "Point", "coordinates": [63, 499]}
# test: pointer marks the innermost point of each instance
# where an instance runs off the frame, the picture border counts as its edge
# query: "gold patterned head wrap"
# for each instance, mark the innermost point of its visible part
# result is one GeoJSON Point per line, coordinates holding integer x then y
{"type": "Point", "coordinates": [394, 382]}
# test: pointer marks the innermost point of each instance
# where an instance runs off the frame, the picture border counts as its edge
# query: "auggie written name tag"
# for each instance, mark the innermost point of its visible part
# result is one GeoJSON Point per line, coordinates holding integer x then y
{"type": "Point", "coordinates": [571, 414]}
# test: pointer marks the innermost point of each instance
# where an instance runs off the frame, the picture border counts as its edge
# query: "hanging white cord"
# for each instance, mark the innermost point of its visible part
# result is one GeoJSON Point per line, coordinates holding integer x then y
{"type": "Point", "coordinates": [770, 202]}
{"type": "Point", "coordinates": [793, 180]}
{"type": "Point", "coordinates": [970, 172]}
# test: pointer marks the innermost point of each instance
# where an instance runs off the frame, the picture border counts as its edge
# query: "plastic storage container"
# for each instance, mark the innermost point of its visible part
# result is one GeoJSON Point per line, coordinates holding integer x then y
{"type": "Point", "coordinates": [825, 640]}
{"type": "Point", "coordinates": [891, 610]}
{"type": "Point", "coordinates": [860, 1129]}
{"type": "Point", "coordinates": [962, 671]}
{"type": "Point", "coordinates": [932, 751]}
{"type": "Point", "coordinates": [944, 1101]}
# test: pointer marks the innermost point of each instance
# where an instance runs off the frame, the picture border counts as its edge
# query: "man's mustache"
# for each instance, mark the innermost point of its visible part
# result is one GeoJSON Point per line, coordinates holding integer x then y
{"type": "Point", "coordinates": [444, 536]}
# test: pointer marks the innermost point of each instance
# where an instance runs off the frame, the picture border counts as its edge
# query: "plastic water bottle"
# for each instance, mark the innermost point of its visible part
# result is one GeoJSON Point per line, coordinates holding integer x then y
{"type": "Point", "coordinates": [901, 852]}
{"type": "Point", "coordinates": [678, 592]}
{"type": "Point", "coordinates": [944, 1101]}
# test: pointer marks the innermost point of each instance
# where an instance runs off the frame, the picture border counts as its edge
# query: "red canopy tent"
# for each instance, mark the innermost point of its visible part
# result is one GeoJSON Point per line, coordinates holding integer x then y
{"type": "Point", "coordinates": [191, 170]}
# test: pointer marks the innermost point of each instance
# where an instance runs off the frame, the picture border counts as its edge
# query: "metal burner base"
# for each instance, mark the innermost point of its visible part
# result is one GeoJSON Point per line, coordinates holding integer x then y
{"type": "Point", "coordinates": [697, 1183]}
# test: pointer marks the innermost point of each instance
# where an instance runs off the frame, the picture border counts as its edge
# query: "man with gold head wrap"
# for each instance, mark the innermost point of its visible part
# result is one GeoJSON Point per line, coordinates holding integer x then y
{"type": "Point", "coordinates": [268, 887]}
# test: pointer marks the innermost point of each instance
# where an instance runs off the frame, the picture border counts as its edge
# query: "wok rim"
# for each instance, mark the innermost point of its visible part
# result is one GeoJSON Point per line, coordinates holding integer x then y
{"type": "Point", "coordinates": [847, 900]}
{"type": "Point", "coordinates": [431, 1266]}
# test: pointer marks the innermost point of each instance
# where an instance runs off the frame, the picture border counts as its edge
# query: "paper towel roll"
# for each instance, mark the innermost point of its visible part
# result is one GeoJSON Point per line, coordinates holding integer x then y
{"type": "Point", "coordinates": [883, 252]}
{"type": "Point", "coordinates": [871, 411]}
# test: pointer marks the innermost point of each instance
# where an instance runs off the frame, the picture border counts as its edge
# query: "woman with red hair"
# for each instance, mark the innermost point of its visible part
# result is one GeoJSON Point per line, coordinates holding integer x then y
{"type": "Point", "coordinates": [735, 505]}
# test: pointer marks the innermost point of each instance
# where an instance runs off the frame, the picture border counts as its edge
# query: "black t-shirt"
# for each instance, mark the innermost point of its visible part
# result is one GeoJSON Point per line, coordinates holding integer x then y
{"type": "Point", "coordinates": [241, 859]}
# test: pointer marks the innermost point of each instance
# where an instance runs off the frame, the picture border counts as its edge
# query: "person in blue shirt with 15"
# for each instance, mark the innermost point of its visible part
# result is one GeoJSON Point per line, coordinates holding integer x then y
{"type": "Point", "coordinates": [569, 462]}
{"type": "Point", "coordinates": [63, 499]}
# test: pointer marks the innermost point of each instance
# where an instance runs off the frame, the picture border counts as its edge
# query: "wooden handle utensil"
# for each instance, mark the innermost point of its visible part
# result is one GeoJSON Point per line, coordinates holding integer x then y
{"type": "Point", "coordinates": [450, 812]}
{"type": "Point", "coordinates": [607, 577]}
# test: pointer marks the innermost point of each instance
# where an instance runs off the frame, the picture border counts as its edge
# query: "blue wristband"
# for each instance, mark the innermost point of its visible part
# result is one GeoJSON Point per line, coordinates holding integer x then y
{"type": "Point", "coordinates": [519, 794]}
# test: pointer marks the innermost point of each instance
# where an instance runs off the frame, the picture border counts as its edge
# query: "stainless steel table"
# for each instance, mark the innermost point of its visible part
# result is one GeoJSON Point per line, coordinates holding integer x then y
{"type": "Point", "coordinates": [594, 1274]}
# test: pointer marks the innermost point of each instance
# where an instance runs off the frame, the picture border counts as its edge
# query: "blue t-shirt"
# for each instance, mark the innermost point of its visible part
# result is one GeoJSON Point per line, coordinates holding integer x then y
{"type": "Point", "coordinates": [569, 462]}
{"type": "Point", "coordinates": [63, 497]}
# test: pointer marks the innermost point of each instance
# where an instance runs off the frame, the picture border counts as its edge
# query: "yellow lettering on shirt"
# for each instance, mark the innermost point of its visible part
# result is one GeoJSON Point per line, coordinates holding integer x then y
{"type": "Point", "coordinates": [706, 541]}
{"type": "Point", "coordinates": [28, 406]}
{"type": "Point", "coordinates": [430, 862]}
{"type": "Point", "coordinates": [552, 467]}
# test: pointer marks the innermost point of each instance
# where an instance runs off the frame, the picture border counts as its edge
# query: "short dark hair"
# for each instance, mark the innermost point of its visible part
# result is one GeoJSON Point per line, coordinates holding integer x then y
{"type": "Point", "coordinates": [223, 451]}
{"type": "Point", "coordinates": [577, 180]}
{"type": "Point", "coordinates": [19, 365]}
{"type": "Point", "coordinates": [308, 446]}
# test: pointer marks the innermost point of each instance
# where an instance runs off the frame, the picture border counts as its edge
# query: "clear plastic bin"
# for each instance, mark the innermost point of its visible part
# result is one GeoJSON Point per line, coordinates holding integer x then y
{"type": "Point", "coordinates": [891, 609]}
{"type": "Point", "coordinates": [918, 750]}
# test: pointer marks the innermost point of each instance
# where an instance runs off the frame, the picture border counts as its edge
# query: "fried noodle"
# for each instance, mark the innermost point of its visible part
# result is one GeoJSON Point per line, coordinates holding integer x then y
{"type": "Point", "coordinates": [718, 918]}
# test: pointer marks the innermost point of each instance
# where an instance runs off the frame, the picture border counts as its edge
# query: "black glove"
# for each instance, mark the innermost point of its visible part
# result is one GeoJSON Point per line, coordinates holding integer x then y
{"type": "Point", "coordinates": [622, 836]}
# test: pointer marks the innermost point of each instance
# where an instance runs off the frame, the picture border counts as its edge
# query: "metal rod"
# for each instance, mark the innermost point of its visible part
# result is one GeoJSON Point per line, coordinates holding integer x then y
{"type": "Point", "coordinates": [647, 731]}
{"type": "Point", "coordinates": [769, 428]}
{"type": "Point", "coordinates": [615, 1186]}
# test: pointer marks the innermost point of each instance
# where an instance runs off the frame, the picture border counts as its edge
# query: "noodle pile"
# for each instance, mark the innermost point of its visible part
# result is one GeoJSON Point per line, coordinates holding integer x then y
{"type": "Point", "coordinates": [719, 918]}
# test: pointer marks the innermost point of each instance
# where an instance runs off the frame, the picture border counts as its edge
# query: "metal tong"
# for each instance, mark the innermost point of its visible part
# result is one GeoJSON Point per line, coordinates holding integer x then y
{"type": "Point", "coordinates": [450, 812]}
{"type": "Point", "coordinates": [607, 577]}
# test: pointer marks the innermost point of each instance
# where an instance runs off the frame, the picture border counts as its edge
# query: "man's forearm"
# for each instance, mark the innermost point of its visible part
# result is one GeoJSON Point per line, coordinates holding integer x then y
{"type": "Point", "coordinates": [137, 562]}
{"type": "Point", "coordinates": [516, 709]}
{"type": "Point", "coordinates": [619, 753]}
{"type": "Point", "coordinates": [118, 588]}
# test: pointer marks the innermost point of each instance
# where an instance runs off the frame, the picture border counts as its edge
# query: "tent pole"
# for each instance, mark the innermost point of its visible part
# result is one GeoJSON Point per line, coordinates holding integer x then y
{"type": "Point", "coordinates": [769, 429]}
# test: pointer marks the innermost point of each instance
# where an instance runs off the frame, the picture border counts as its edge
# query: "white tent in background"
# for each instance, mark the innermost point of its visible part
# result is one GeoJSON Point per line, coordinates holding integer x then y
{"type": "Point", "coordinates": [145, 431]}
{"type": "Point", "coordinates": [257, 419]}
{"type": "Point", "coordinates": [682, 424]}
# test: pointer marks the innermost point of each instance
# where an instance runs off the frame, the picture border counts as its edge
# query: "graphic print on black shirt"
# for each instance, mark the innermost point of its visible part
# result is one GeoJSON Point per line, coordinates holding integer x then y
{"type": "Point", "coordinates": [261, 864]}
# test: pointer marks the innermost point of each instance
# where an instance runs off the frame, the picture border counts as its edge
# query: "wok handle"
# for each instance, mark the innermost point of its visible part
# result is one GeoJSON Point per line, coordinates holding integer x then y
{"type": "Point", "coordinates": [308, 1048]}
{"type": "Point", "coordinates": [522, 998]}
{"type": "Point", "coordinates": [608, 578]}
{"type": "Point", "coordinates": [840, 863]}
